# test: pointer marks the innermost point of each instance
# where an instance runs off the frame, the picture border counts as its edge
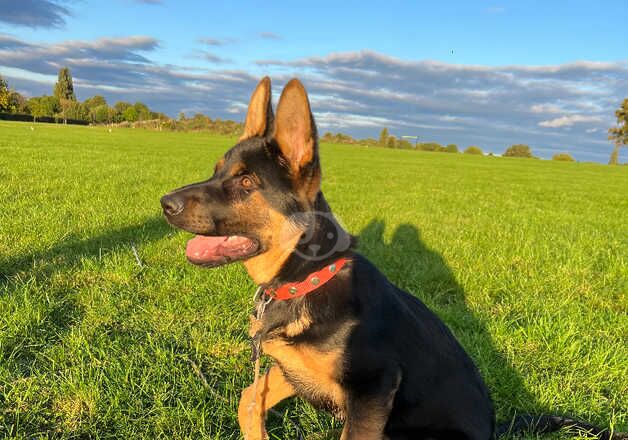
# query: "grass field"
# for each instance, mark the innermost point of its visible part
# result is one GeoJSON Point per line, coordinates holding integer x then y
{"type": "Point", "coordinates": [527, 262]}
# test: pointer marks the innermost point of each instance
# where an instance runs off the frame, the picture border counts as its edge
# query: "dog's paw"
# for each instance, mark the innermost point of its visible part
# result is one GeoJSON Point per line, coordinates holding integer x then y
{"type": "Point", "coordinates": [249, 418]}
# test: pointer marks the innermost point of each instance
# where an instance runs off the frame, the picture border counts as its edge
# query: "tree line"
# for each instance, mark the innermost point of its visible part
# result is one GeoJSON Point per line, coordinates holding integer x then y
{"type": "Point", "coordinates": [62, 105]}
{"type": "Point", "coordinates": [386, 140]}
{"type": "Point", "coordinates": [618, 135]}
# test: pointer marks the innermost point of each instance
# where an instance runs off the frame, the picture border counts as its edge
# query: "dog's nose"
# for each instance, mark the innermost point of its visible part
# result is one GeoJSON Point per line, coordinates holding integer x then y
{"type": "Point", "coordinates": [171, 205]}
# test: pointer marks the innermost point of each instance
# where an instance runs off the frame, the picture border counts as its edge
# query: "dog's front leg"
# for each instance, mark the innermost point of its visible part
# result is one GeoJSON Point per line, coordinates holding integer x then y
{"type": "Point", "coordinates": [365, 421]}
{"type": "Point", "coordinates": [367, 413]}
{"type": "Point", "coordinates": [272, 388]}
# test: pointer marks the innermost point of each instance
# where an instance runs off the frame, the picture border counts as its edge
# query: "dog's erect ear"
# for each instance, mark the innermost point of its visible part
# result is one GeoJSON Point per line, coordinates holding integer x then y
{"type": "Point", "coordinates": [295, 131]}
{"type": "Point", "coordinates": [259, 116]}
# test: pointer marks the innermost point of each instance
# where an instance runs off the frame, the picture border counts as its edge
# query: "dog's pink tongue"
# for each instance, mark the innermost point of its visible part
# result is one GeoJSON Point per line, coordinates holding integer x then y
{"type": "Point", "coordinates": [202, 249]}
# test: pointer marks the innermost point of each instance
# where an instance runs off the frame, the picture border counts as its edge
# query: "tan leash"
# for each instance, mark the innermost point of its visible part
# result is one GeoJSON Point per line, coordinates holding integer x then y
{"type": "Point", "coordinates": [256, 346]}
{"type": "Point", "coordinates": [260, 308]}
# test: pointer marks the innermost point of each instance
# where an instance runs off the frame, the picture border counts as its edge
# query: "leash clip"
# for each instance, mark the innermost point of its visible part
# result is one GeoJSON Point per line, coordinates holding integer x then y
{"type": "Point", "coordinates": [256, 342]}
{"type": "Point", "coordinates": [260, 308]}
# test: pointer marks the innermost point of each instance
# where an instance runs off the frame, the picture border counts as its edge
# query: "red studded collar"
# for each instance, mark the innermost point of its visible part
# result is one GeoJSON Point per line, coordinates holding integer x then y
{"type": "Point", "coordinates": [311, 283]}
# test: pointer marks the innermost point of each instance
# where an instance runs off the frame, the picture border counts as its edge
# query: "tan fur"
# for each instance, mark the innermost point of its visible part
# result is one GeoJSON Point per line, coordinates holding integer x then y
{"type": "Point", "coordinates": [314, 368]}
{"type": "Point", "coordinates": [263, 267]}
{"type": "Point", "coordinates": [293, 328]}
{"type": "Point", "coordinates": [236, 168]}
{"type": "Point", "coordinates": [277, 235]}
{"type": "Point", "coordinates": [294, 131]}
{"type": "Point", "coordinates": [272, 388]}
{"type": "Point", "coordinates": [297, 327]}
{"type": "Point", "coordinates": [257, 114]}
{"type": "Point", "coordinates": [219, 165]}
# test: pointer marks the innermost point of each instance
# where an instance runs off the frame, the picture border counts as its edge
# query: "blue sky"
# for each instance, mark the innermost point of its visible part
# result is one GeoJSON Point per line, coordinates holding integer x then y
{"type": "Point", "coordinates": [549, 74]}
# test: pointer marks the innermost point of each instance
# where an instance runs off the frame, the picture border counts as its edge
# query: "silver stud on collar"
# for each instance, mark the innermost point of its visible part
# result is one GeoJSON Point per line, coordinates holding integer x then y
{"type": "Point", "coordinates": [315, 281]}
{"type": "Point", "coordinates": [332, 268]}
{"type": "Point", "coordinates": [292, 290]}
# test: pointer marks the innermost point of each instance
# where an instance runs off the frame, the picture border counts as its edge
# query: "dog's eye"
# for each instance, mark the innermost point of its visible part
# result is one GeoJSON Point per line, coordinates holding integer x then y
{"type": "Point", "coordinates": [247, 182]}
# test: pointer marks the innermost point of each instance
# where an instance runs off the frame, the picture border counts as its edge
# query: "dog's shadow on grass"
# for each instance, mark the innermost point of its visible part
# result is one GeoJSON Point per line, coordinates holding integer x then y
{"type": "Point", "coordinates": [410, 264]}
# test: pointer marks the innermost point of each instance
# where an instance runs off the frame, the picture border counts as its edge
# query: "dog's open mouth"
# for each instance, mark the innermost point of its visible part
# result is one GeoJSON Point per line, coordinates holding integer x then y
{"type": "Point", "coordinates": [215, 251]}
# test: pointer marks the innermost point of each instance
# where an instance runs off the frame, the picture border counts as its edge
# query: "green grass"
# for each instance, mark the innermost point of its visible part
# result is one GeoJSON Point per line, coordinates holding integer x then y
{"type": "Point", "coordinates": [527, 262]}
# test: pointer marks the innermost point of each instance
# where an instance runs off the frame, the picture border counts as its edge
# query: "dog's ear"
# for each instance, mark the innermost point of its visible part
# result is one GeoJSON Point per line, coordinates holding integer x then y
{"type": "Point", "coordinates": [259, 116]}
{"type": "Point", "coordinates": [295, 131]}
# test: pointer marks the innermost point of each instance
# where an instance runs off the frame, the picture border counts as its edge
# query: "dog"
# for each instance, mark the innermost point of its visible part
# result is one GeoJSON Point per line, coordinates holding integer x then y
{"type": "Point", "coordinates": [341, 335]}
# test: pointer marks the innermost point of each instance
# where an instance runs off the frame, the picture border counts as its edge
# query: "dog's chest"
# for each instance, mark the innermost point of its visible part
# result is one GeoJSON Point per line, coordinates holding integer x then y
{"type": "Point", "coordinates": [313, 373]}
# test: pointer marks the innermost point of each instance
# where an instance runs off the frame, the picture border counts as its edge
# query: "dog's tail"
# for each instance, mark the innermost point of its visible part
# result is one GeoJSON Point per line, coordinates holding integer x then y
{"type": "Point", "coordinates": [548, 423]}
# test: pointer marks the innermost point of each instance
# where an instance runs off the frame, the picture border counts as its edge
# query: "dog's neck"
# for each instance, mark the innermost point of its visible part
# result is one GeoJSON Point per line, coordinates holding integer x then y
{"type": "Point", "coordinates": [311, 248]}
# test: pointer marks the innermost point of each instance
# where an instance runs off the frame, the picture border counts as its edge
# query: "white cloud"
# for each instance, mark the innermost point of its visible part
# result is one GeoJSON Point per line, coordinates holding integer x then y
{"type": "Point", "coordinates": [569, 120]}
{"type": "Point", "coordinates": [330, 121]}
{"type": "Point", "coordinates": [546, 108]}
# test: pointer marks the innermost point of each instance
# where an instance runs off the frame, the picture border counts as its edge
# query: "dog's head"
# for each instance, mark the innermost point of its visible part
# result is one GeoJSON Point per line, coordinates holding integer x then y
{"type": "Point", "coordinates": [255, 205]}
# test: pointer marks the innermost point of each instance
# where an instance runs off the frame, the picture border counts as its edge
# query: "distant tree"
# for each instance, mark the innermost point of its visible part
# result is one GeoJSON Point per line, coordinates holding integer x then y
{"type": "Point", "coordinates": [383, 137]}
{"type": "Point", "coordinates": [404, 144]}
{"type": "Point", "coordinates": [564, 157]}
{"type": "Point", "coordinates": [451, 148]}
{"type": "Point", "coordinates": [90, 105]}
{"type": "Point", "coordinates": [64, 91]}
{"type": "Point", "coordinates": [64, 88]}
{"type": "Point", "coordinates": [130, 114]}
{"type": "Point", "coordinates": [327, 137]}
{"type": "Point", "coordinates": [4, 95]}
{"type": "Point", "coordinates": [199, 122]}
{"type": "Point", "coordinates": [619, 134]}
{"type": "Point", "coordinates": [78, 111]}
{"type": "Point", "coordinates": [518, 150]}
{"type": "Point", "coordinates": [17, 103]}
{"type": "Point", "coordinates": [121, 106]}
{"type": "Point", "coordinates": [338, 138]}
{"type": "Point", "coordinates": [35, 107]}
{"type": "Point", "coordinates": [118, 110]}
{"type": "Point", "coordinates": [182, 116]}
{"type": "Point", "coordinates": [94, 102]}
{"type": "Point", "coordinates": [143, 112]}
{"type": "Point", "coordinates": [391, 142]}
{"type": "Point", "coordinates": [94, 107]}
{"type": "Point", "coordinates": [43, 106]}
{"type": "Point", "coordinates": [102, 114]}
{"type": "Point", "coordinates": [473, 149]}
{"type": "Point", "coordinates": [430, 146]}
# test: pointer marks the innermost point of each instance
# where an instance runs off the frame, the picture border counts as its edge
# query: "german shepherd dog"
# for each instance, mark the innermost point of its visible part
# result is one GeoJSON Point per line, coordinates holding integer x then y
{"type": "Point", "coordinates": [341, 335]}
